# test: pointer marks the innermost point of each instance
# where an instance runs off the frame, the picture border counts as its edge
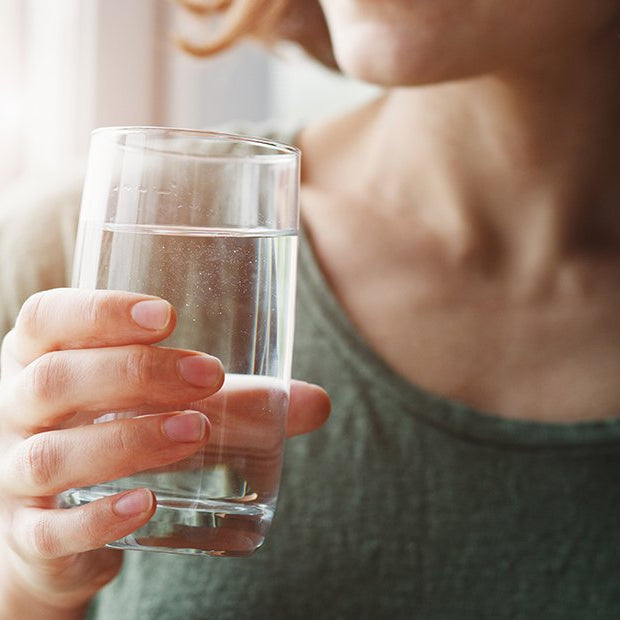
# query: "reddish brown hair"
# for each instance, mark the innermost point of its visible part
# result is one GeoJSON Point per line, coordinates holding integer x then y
{"type": "Point", "coordinates": [301, 21]}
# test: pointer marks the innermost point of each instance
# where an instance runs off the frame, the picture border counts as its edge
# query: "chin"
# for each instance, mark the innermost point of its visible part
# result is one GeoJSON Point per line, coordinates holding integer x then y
{"type": "Point", "coordinates": [390, 58]}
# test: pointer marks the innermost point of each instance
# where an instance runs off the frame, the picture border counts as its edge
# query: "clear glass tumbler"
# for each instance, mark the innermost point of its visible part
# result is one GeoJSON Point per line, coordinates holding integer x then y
{"type": "Point", "coordinates": [208, 222]}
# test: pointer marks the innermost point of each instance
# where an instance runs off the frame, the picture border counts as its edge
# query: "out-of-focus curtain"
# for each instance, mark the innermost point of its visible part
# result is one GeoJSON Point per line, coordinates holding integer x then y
{"type": "Point", "coordinates": [68, 66]}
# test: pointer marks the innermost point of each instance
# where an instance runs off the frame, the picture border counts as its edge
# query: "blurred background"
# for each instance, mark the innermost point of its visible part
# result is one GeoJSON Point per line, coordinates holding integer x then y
{"type": "Point", "coordinates": [68, 66]}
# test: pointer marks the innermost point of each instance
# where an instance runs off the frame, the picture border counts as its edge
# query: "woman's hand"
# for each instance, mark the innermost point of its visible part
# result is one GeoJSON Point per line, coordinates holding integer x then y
{"type": "Point", "coordinates": [90, 352]}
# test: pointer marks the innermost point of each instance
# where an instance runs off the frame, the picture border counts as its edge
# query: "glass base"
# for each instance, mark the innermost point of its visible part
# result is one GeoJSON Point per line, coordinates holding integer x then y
{"type": "Point", "coordinates": [205, 527]}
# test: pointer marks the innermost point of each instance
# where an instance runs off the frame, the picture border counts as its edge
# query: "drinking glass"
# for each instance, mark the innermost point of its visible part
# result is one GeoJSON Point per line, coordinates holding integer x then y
{"type": "Point", "coordinates": [209, 222]}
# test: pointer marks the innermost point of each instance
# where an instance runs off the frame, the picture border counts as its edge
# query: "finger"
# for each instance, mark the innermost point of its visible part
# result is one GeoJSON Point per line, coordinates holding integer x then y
{"type": "Point", "coordinates": [309, 408]}
{"type": "Point", "coordinates": [58, 384]}
{"type": "Point", "coordinates": [40, 534]}
{"type": "Point", "coordinates": [75, 319]}
{"type": "Point", "coordinates": [248, 411]}
{"type": "Point", "coordinates": [48, 463]}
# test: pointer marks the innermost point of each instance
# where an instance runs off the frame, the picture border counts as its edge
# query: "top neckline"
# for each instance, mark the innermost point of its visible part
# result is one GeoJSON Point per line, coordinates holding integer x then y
{"type": "Point", "coordinates": [443, 413]}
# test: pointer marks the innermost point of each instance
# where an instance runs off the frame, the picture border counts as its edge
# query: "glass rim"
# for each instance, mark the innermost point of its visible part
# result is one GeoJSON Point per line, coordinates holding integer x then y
{"type": "Point", "coordinates": [275, 151]}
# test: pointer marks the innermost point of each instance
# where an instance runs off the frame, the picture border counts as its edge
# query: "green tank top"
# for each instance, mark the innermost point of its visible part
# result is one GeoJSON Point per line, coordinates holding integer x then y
{"type": "Point", "coordinates": [406, 505]}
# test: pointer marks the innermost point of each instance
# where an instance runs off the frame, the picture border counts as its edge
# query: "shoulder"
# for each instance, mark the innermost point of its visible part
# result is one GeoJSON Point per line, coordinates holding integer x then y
{"type": "Point", "coordinates": [38, 222]}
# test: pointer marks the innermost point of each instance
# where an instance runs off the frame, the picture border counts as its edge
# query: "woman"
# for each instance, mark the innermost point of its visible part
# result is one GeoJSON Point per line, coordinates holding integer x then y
{"type": "Point", "coordinates": [457, 299]}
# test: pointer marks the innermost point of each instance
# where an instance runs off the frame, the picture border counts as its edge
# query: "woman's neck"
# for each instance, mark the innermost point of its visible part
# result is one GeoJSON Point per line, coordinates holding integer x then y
{"type": "Point", "coordinates": [469, 231]}
{"type": "Point", "coordinates": [525, 165]}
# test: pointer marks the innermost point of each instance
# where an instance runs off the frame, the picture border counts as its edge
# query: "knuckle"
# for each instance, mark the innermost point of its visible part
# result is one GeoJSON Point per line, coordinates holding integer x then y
{"type": "Point", "coordinates": [47, 377]}
{"type": "Point", "coordinates": [122, 439]}
{"type": "Point", "coordinates": [101, 308]}
{"type": "Point", "coordinates": [40, 461]}
{"type": "Point", "coordinates": [127, 438]}
{"type": "Point", "coordinates": [87, 528]}
{"type": "Point", "coordinates": [8, 355]}
{"type": "Point", "coordinates": [43, 538]}
{"type": "Point", "coordinates": [8, 341]}
{"type": "Point", "coordinates": [93, 308]}
{"type": "Point", "coordinates": [139, 367]}
{"type": "Point", "coordinates": [31, 317]}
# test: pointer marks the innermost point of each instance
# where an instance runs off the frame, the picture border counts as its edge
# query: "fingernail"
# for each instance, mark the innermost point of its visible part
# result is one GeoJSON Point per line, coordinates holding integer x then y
{"type": "Point", "coordinates": [200, 370]}
{"type": "Point", "coordinates": [186, 427]}
{"type": "Point", "coordinates": [151, 314]}
{"type": "Point", "coordinates": [133, 503]}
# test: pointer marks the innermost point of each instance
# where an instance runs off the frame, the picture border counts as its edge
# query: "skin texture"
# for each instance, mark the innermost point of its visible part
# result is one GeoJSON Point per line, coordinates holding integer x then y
{"type": "Point", "coordinates": [85, 351]}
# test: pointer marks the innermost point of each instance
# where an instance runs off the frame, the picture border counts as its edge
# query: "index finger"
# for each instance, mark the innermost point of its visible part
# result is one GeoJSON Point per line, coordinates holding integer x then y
{"type": "Point", "coordinates": [62, 319]}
